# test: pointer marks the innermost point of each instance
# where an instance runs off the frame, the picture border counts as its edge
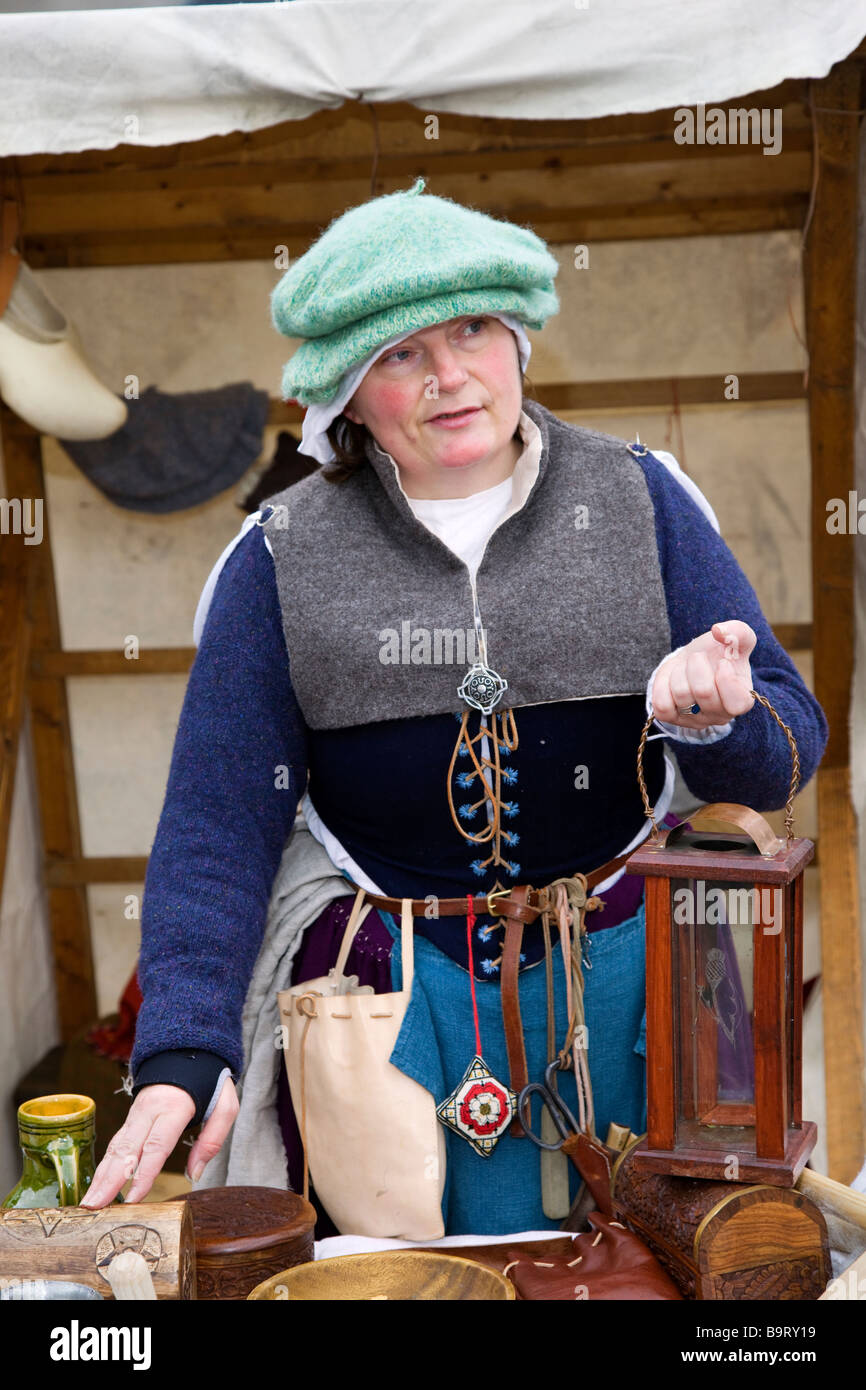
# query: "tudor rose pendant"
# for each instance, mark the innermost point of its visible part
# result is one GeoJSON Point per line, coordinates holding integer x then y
{"type": "Point", "coordinates": [480, 1108]}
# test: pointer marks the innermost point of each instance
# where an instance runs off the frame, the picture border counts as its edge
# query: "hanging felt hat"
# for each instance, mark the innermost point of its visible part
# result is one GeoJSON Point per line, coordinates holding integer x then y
{"type": "Point", "coordinates": [393, 266]}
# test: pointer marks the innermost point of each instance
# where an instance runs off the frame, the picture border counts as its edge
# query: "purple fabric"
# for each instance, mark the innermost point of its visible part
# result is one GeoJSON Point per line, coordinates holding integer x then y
{"type": "Point", "coordinates": [736, 1080]}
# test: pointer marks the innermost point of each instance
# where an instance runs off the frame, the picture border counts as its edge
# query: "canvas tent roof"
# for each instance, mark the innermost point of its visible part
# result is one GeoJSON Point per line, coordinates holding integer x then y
{"type": "Point", "coordinates": [77, 80]}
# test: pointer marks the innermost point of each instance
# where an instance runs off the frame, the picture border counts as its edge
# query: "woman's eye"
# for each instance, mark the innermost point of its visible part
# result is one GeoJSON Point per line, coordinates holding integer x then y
{"type": "Point", "coordinates": [400, 355]}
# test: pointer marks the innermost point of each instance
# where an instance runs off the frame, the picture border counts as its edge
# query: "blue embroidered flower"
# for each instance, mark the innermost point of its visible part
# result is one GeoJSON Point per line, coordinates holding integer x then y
{"type": "Point", "coordinates": [503, 748]}
{"type": "Point", "coordinates": [465, 779]}
{"type": "Point", "coordinates": [522, 958]}
{"type": "Point", "coordinates": [467, 810]}
{"type": "Point", "coordinates": [510, 808]}
{"type": "Point", "coordinates": [478, 868]}
{"type": "Point", "coordinates": [509, 774]}
{"type": "Point", "coordinates": [512, 869]}
{"type": "Point", "coordinates": [489, 967]}
{"type": "Point", "coordinates": [463, 751]}
{"type": "Point", "coordinates": [511, 837]}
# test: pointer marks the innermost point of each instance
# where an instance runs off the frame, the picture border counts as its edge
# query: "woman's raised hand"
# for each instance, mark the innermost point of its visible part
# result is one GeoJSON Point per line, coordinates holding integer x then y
{"type": "Point", "coordinates": [157, 1118]}
{"type": "Point", "coordinates": [713, 672]}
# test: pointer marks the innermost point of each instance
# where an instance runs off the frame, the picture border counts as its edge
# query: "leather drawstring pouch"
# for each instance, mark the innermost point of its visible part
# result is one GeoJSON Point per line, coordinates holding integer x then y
{"type": "Point", "coordinates": [372, 1142]}
{"type": "Point", "coordinates": [607, 1263]}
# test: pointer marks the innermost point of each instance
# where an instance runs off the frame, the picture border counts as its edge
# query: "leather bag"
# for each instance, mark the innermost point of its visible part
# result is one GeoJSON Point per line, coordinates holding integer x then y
{"type": "Point", "coordinates": [372, 1142]}
{"type": "Point", "coordinates": [607, 1263]}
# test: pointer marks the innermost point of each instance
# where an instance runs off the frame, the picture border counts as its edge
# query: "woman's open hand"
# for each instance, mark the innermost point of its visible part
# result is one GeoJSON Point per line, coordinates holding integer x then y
{"type": "Point", "coordinates": [713, 672]}
{"type": "Point", "coordinates": [157, 1118]}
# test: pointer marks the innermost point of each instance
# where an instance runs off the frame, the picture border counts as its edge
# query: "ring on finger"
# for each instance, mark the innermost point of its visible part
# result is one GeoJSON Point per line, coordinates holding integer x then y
{"type": "Point", "coordinates": [688, 709]}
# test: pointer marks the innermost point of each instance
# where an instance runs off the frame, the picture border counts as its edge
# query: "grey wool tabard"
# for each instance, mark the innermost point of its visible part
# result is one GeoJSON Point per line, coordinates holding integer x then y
{"type": "Point", "coordinates": [378, 612]}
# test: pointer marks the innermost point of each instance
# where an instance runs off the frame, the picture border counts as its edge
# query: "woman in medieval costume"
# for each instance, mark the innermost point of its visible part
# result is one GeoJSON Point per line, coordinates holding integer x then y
{"type": "Point", "coordinates": [446, 641]}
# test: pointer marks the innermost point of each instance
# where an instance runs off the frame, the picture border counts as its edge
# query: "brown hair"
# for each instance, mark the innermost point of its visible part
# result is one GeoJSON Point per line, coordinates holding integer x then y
{"type": "Point", "coordinates": [348, 442]}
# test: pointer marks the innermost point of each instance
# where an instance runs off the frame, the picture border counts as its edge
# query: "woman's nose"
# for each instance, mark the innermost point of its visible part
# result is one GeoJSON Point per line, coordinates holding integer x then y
{"type": "Point", "coordinates": [447, 368]}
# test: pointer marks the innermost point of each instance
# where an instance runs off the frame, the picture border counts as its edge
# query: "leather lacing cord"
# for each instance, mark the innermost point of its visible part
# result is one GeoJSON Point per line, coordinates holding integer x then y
{"type": "Point", "coordinates": [570, 1264]}
{"type": "Point", "coordinates": [309, 1015]}
{"type": "Point", "coordinates": [570, 903]}
{"type": "Point", "coordinates": [501, 730]}
{"type": "Point", "coordinates": [569, 900]}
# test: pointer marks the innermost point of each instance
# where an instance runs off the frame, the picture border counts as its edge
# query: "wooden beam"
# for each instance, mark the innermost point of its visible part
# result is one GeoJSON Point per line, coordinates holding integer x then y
{"type": "Point", "coordinates": [155, 661]}
{"type": "Point", "coordinates": [15, 634]}
{"type": "Point", "coordinates": [52, 746]}
{"type": "Point", "coordinates": [698, 217]}
{"type": "Point", "coordinates": [662, 392]}
{"type": "Point", "coordinates": [794, 637]}
{"type": "Point", "coordinates": [118, 868]}
{"type": "Point", "coordinates": [636, 393]}
{"type": "Point", "coordinates": [657, 200]}
{"type": "Point", "coordinates": [240, 196]}
{"type": "Point", "coordinates": [568, 152]}
{"type": "Point", "coordinates": [831, 299]}
{"type": "Point", "coordinates": [542, 185]}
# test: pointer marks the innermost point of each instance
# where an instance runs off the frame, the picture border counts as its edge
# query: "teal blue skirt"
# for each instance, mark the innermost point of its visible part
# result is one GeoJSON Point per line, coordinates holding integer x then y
{"type": "Point", "coordinates": [502, 1192]}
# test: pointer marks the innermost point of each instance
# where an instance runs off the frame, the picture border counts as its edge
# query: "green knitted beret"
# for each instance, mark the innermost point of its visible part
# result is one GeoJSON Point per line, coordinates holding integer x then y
{"type": "Point", "coordinates": [396, 264]}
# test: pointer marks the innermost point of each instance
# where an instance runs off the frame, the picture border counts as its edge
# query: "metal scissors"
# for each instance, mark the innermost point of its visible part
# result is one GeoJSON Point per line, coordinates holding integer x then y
{"type": "Point", "coordinates": [565, 1123]}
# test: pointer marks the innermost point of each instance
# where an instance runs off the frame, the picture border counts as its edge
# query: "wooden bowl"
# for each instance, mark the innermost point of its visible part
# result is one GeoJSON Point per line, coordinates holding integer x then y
{"type": "Point", "coordinates": [406, 1275]}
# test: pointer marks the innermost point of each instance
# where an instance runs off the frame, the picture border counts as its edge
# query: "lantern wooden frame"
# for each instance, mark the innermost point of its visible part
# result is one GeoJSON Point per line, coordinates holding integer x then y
{"type": "Point", "coordinates": [675, 1126]}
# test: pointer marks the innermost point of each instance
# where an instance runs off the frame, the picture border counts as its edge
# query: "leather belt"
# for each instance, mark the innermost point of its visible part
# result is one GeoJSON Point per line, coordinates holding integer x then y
{"type": "Point", "coordinates": [525, 904]}
{"type": "Point", "coordinates": [520, 905]}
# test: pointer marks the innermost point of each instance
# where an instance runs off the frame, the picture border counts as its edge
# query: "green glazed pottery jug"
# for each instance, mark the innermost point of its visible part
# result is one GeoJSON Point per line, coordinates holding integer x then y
{"type": "Point", "coordinates": [57, 1135]}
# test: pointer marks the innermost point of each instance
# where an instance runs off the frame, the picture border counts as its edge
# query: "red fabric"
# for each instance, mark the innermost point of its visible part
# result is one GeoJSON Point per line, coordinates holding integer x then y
{"type": "Point", "coordinates": [116, 1040]}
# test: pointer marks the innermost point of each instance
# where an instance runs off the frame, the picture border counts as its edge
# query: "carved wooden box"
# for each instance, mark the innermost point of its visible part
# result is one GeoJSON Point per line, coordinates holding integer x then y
{"type": "Point", "coordinates": [245, 1234]}
{"type": "Point", "coordinates": [725, 1240]}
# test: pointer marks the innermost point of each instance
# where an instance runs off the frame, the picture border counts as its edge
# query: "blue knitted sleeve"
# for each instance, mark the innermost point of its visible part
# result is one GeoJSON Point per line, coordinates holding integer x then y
{"type": "Point", "coordinates": [238, 768]}
{"type": "Point", "coordinates": [705, 585]}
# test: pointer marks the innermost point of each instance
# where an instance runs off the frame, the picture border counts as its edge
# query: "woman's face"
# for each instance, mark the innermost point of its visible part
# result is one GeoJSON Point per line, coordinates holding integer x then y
{"type": "Point", "coordinates": [469, 363]}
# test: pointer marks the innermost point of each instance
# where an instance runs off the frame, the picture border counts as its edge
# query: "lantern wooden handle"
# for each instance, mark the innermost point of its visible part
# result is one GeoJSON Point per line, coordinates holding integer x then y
{"type": "Point", "coordinates": [792, 790]}
{"type": "Point", "coordinates": [756, 827]}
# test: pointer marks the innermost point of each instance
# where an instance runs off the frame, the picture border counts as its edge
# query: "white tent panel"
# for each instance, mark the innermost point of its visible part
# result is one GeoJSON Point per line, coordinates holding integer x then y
{"type": "Point", "coordinates": [75, 80]}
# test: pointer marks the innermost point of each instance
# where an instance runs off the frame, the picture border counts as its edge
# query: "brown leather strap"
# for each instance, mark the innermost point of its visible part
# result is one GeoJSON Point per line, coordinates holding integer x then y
{"type": "Point", "coordinates": [525, 903]}
{"type": "Point", "coordinates": [605, 870]}
{"type": "Point", "coordinates": [511, 1020]}
{"type": "Point", "coordinates": [10, 260]}
{"type": "Point", "coordinates": [457, 907]}
{"type": "Point", "coordinates": [593, 1160]}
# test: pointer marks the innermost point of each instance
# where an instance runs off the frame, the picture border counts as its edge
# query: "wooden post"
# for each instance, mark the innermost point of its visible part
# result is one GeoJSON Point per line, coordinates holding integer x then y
{"type": "Point", "coordinates": [830, 272]}
{"type": "Point", "coordinates": [14, 655]}
{"type": "Point", "coordinates": [52, 746]}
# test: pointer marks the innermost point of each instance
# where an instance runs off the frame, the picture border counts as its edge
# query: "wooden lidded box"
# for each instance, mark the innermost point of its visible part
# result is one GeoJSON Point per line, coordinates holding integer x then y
{"type": "Point", "coordinates": [724, 1240]}
{"type": "Point", "coordinates": [245, 1234]}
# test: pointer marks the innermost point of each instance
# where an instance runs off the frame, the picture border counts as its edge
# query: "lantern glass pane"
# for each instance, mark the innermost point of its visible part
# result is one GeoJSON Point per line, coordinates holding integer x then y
{"type": "Point", "coordinates": [713, 968]}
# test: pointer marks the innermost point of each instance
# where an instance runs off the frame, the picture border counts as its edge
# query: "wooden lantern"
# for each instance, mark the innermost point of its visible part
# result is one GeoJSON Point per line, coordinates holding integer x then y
{"type": "Point", "coordinates": [724, 963]}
